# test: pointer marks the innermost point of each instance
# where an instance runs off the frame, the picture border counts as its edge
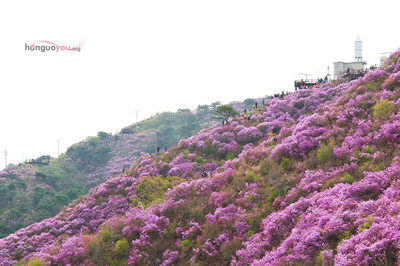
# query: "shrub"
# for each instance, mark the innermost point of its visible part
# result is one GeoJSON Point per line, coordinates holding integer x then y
{"type": "Point", "coordinates": [286, 189]}
{"type": "Point", "coordinates": [97, 247]}
{"type": "Point", "coordinates": [167, 158]}
{"type": "Point", "coordinates": [187, 243]}
{"type": "Point", "coordinates": [209, 149]}
{"type": "Point", "coordinates": [273, 194]}
{"type": "Point", "coordinates": [199, 160]}
{"type": "Point", "coordinates": [152, 189]}
{"type": "Point", "coordinates": [105, 235]}
{"type": "Point", "coordinates": [36, 262]}
{"type": "Point", "coordinates": [382, 109]}
{"type": "Point", "coordinates": [11, 186]}
{"type": "Point", "coordinates": [362, 158]}
{"type": "Point", "coordinates": [122, 248]}
{"type": "Point", "coordinates": [230, 249]}
{"type": "Point", "coordinates": [368, 149]}
{"type": "Point", "coordinates": [347, 178]}
{"type": "Point", "coordinates": [367, 224]}
{"type": "Point", "coordinates": [229, 156]}
{"type": "Point", "coordinates": [250, 177]}
{"type": "Point", "coordinates": [344, 235]}
{"type": "Point", "coordinates": [249, 135]}
{"type": "Point", "coordinates": [392, 82]}
{"type": "Point", "coordinates": [285, 164]}
{"type": "Point", "coordinates": [271, 169]}
{"type": "Point", "coordinates": [299, 104]}
{"type": "Point", "coordinates": [249, 233]}
{"type": "Point", "coordinates": [325, 153]}
{"type": "Point", "coordinates": [329, 183]}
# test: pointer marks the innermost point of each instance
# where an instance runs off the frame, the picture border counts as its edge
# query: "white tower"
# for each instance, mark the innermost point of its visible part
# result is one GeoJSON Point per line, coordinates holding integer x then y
{"type": "Point", "coordinates": [358, 50]}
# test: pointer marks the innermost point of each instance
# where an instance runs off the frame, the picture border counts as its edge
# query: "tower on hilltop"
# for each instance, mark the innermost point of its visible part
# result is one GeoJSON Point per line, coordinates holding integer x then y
{"type": "Point", "coordinates": [358, 50]}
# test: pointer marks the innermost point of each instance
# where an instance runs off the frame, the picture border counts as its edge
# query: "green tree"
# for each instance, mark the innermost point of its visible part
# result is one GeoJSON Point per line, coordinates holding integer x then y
{"type": "Point", "coordinates": [214, 105]}
{"type": "Point", "coordinates": [166, 136]}
{"type": "Point", "coordinates": [248, 103]}
{"type": "Point", "coordinates": [202, 108]}
{"type": "Point", "coordinates": [185, 110]}
{"type": "Point", "coordinates": [61, 199]}
{"type": "Point", "coordinates": [224, 112]}
{"type": "Point", "coordinates": [103, 135]}
{"type": "Point", "coordinates": [3, 196]}
{"type": "Point", "coordinates": [73, 193]}
{"type": "Point", "coordinates": [38, 194]}
{"type": "Point", "coordinates": [4, 230]}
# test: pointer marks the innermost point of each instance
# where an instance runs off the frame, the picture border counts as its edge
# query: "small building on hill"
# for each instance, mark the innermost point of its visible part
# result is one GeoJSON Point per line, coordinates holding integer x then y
{"type": "Point", "coordinates": [341, 69]}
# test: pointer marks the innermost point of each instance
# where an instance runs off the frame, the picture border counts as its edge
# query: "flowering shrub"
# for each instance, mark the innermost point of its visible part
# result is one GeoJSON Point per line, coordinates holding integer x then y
{"type": "Point", "coordinates": [392, 82]}
{"type": "Point", "coordinates": [250, 134]}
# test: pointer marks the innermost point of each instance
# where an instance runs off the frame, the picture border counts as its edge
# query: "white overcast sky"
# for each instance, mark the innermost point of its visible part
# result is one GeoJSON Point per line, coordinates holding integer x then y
{"type": "Point", "coordinates": [155, 56]}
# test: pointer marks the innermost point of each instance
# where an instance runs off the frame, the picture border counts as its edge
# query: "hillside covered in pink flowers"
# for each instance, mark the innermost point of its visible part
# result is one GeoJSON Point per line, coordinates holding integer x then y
{"type": "Point", "coordinates": [30, 192]}
{"type": "Point", "coordinates": [311, 179]}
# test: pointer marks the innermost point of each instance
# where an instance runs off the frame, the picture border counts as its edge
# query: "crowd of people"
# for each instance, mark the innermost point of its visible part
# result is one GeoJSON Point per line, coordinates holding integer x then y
{"type": "Point", "coordinates": [301, 84]}
{"type": "Point", "coordinates": [352, 74]}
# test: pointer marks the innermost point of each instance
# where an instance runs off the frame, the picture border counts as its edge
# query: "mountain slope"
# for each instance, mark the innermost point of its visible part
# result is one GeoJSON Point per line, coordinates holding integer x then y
{"type": "Point", "coordinates": [30, 193]}
{"type": "Point", "coordinates": [311, 180]}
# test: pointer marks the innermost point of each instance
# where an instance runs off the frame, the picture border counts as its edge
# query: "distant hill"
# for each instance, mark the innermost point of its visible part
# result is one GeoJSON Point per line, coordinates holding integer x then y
{"type": "Point", "coordinates": [31, 192]}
